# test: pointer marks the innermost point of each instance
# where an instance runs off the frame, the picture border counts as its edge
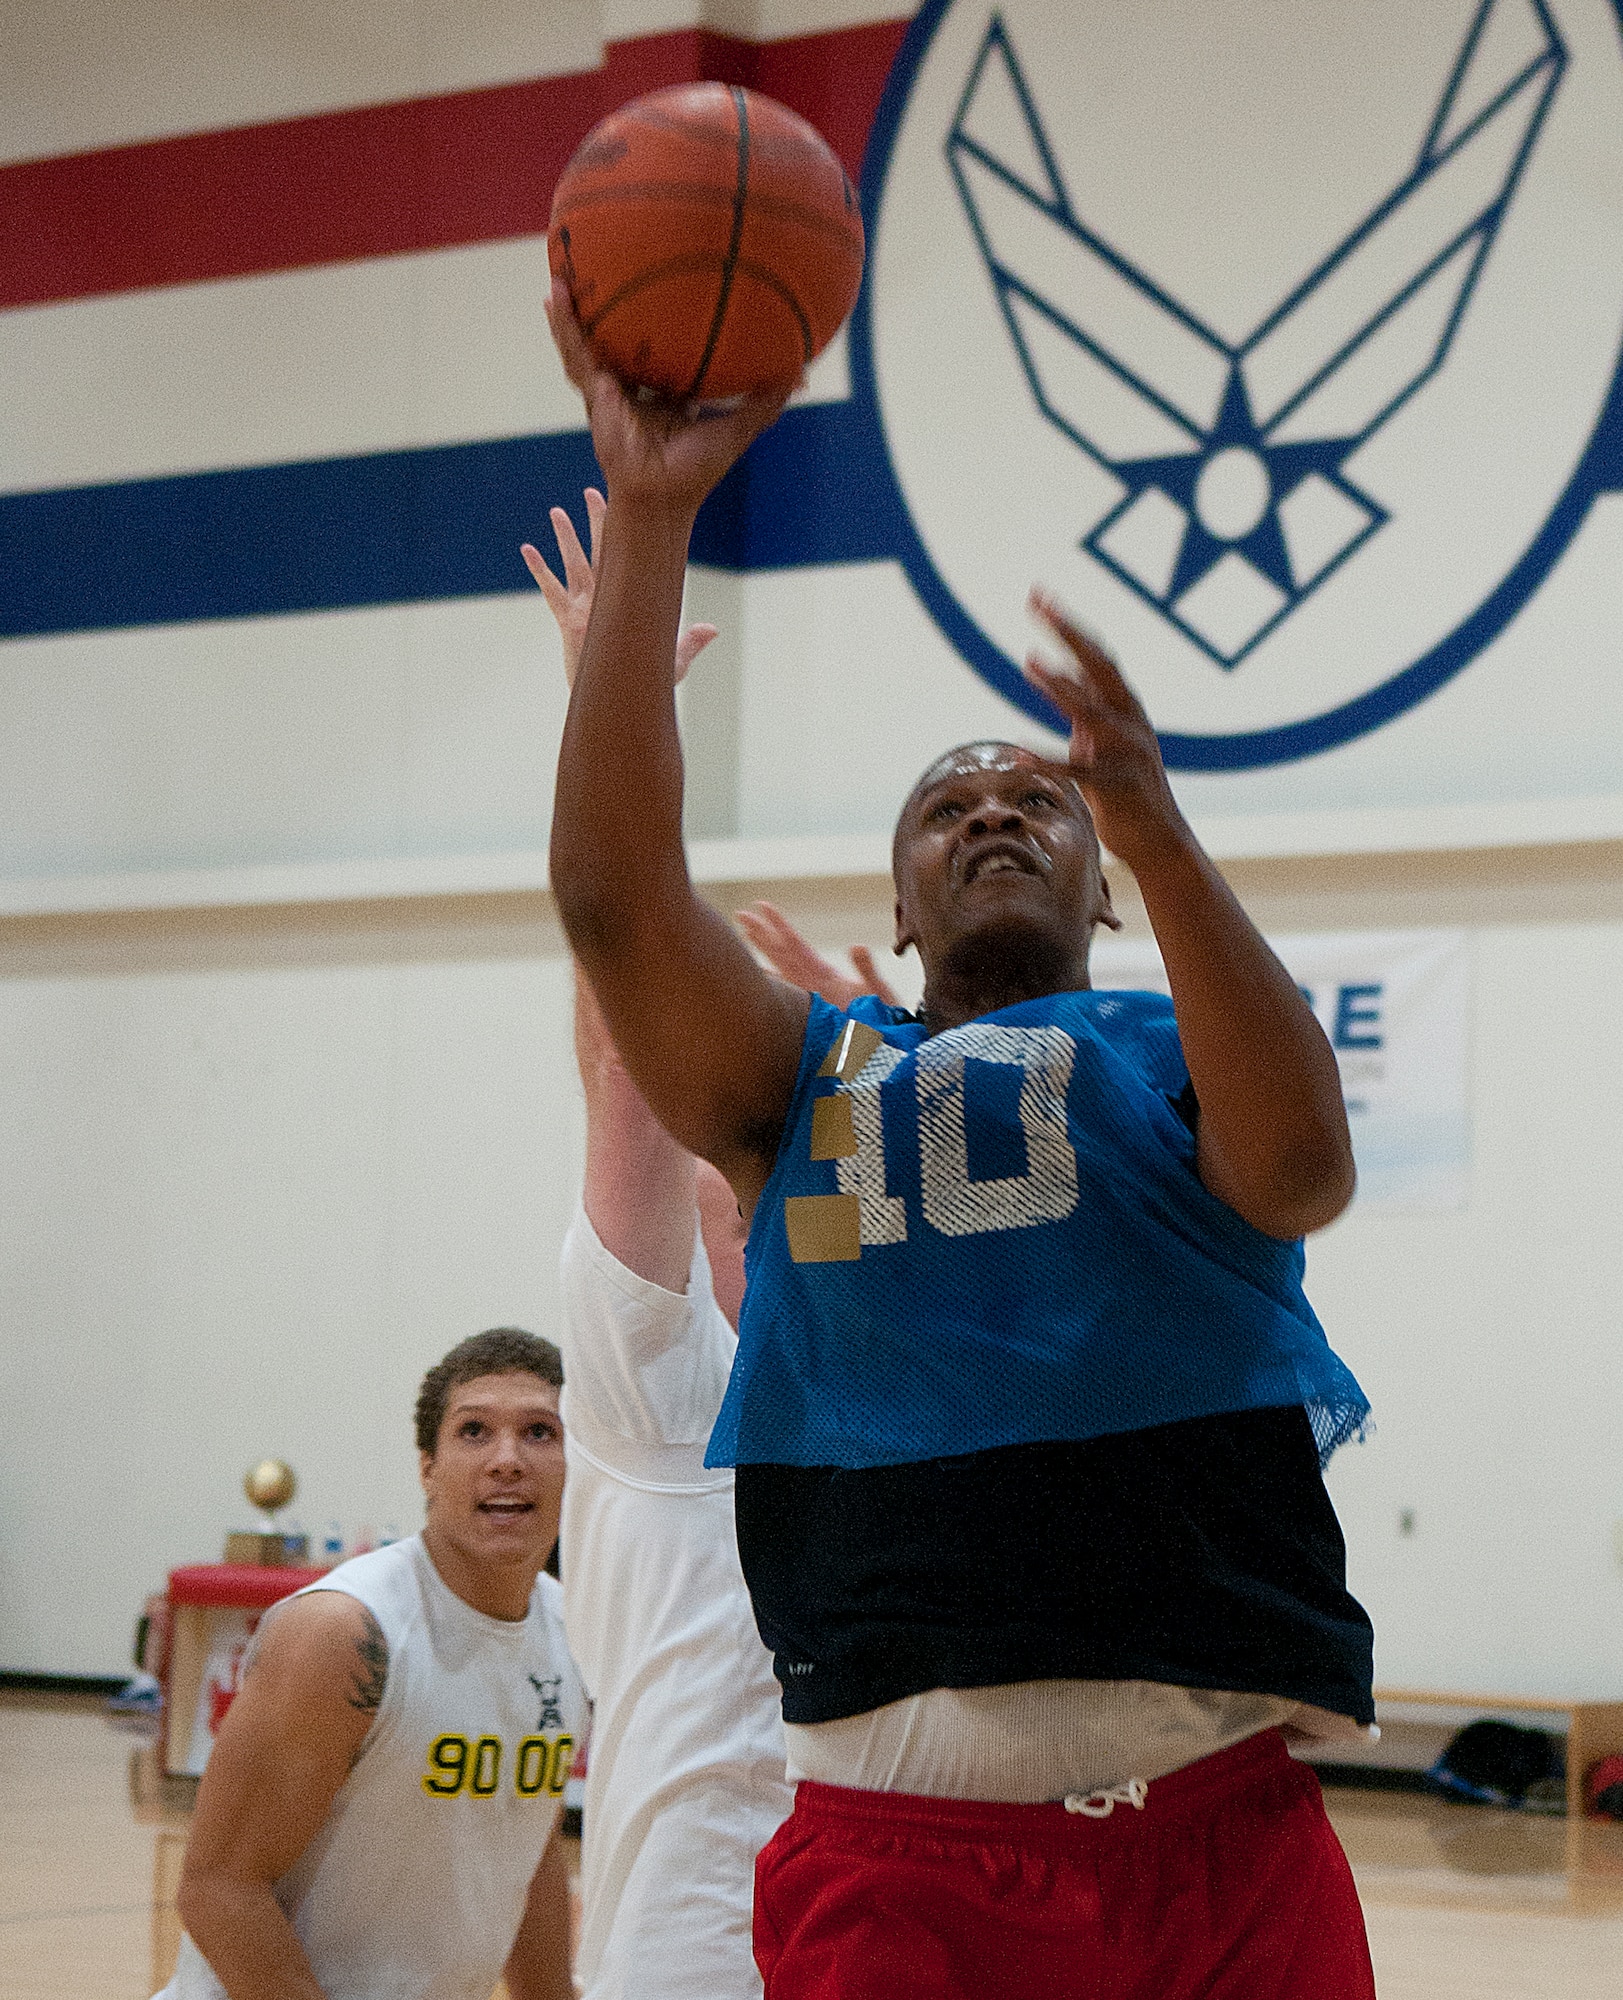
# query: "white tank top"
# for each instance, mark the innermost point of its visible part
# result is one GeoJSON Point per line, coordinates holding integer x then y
{"type": "Point", "coordinates": [414, 1887]}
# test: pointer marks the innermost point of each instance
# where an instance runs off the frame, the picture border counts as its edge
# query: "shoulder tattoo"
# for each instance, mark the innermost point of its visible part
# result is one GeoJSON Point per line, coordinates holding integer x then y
{"type": "Point", "coordinates": [370, 1669]}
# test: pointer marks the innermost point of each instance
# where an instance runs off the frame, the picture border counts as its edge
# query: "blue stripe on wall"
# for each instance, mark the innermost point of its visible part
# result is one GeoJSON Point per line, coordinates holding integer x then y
{"type": "Point", "coordinates": [813, 489]}
{"type": "Point", "coordinates": [401, 527]}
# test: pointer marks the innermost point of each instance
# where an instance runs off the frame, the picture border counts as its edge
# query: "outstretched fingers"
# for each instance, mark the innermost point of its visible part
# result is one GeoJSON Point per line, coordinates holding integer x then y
{"type": "Point", "coordinates": [551, 589]}
{"type": "Point", "coordinates": [1114, 751]}
{"type": "Point", "coordinates": [1095, 669]}
{"type": "Point", "coordinates": [788, 953]}
{"type": "Point", "coordinates": [577, 570]}
{"type": "Point", "coordinates": [792, 958]}
{"type": "Point", "coordinates": [871, 977]}
{"type": "Point", "coordinates": [570, 602]}
{"type": "Point", "coordinates": [769, 930]}
{"type": "Point", "coordinates": [1077, 702]}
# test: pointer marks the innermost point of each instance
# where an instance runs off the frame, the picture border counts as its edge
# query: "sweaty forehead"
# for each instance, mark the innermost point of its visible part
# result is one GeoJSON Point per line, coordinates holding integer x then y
{"type": "Point", "coordinates": [969, 759]}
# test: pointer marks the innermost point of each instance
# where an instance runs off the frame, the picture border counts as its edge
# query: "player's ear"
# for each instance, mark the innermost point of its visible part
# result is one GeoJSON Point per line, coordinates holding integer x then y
{"type": "Point", "coordinates": [1105, 912]}
{"type": "Point", "coordinates": [904, 934]}
{"type": "Point", "coordinates": [425, 1472]}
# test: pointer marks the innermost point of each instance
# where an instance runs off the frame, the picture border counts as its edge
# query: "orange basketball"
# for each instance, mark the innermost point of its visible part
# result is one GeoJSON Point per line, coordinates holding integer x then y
{"type": "Point", "coordinates": [710, 241]}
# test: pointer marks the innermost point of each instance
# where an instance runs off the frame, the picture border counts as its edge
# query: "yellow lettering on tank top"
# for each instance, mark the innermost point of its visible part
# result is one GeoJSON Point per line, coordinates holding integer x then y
{"type": "Point", "coordinates": [458, 1767]}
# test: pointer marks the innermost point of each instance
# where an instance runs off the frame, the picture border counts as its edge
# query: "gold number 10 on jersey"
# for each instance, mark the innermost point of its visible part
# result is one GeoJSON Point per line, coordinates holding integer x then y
{"type": "Point", "coordinates": [847, 1128]}
{"type": "Point", "coordinates": [457, 1765]}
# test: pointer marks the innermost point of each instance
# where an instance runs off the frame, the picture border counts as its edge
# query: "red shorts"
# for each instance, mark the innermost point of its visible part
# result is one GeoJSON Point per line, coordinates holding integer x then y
{"type": "Point", "coordinates": [1228, 1884]}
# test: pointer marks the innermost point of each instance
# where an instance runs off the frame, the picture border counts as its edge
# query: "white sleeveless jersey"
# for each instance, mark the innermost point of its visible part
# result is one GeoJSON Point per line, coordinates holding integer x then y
{"type": "Point", "coordinates": [414, 1887]}
{"type": "Point", "coordinates": [686, 1782]}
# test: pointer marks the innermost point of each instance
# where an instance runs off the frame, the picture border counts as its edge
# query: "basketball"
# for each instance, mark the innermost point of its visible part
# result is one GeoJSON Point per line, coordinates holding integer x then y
{"type": "Point", "coordinates": [710, 240]}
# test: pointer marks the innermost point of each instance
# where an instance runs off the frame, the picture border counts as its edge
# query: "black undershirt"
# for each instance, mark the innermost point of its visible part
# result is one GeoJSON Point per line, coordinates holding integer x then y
{"type": "Point", "coordinates": [1199, 1554]}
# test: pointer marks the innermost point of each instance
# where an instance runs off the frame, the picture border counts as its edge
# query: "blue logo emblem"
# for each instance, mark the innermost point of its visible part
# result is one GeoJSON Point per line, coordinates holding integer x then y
{"type": "Point", "coordinates": [1260, 460]}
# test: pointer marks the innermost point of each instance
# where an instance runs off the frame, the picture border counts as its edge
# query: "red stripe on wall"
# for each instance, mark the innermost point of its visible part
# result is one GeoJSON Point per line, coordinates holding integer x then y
{"type": "Point", "coordinates": [472, 167]}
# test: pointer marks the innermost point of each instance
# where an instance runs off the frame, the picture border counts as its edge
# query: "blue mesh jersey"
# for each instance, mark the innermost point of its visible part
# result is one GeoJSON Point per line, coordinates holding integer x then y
{"type": "Point", "coordinates": [996, 1236]}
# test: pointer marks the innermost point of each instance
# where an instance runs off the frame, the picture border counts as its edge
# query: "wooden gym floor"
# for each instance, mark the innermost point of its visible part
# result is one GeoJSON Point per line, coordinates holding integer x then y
{"type": "Point", "coordinates": [1463, 1903]}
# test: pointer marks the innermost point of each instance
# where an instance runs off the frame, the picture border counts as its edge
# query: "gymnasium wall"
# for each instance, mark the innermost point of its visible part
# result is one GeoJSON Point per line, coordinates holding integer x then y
{"type": "Point", "coordinates": [289, 1104]}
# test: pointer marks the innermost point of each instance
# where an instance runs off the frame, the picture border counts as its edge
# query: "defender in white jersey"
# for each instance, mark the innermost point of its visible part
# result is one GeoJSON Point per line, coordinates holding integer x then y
{"type": "Point", "coordinates": [686, 1780]}
{"type": "Point", "coordinates": [376, 1819]}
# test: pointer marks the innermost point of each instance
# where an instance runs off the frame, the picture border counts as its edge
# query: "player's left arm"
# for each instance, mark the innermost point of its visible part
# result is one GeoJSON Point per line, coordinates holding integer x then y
{"type": "Point", "coordinates": [1272, 1140]}
{"type": "Point", "coordinates": [538, 1965]}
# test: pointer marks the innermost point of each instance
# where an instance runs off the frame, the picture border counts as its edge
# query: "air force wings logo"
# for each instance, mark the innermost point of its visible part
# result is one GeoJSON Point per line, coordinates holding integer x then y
{"type": "Point", "coordinates": [1232, 455]}
{"type": "Point", "coordinates": [1253, 330]}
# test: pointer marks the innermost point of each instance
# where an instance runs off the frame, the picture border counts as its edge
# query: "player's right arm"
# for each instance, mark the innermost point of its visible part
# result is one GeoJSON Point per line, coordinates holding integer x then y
{"type": "Point", "coordinates": [287, 1744]}
{"type": "Point", "coordinates": [710, 1039]}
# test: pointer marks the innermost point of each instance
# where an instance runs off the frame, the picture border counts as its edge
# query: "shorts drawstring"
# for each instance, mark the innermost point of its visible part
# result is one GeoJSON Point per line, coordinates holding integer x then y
{"type": "Point", "coordinates": [1101, 1804]}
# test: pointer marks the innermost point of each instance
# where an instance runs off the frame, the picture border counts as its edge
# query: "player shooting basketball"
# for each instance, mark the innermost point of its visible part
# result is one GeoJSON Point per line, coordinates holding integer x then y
{"type": "Point", "coordinates": [1028, 1407]}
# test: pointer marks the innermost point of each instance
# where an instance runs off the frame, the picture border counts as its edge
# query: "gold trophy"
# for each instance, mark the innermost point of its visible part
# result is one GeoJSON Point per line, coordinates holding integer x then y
{"type": "Point", "coordinates": [269, 1485]}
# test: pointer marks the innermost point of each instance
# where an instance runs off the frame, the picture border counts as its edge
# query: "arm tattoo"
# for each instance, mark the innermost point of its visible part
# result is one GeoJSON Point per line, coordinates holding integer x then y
{"type": "Point", "coordinates": [371, 1674]}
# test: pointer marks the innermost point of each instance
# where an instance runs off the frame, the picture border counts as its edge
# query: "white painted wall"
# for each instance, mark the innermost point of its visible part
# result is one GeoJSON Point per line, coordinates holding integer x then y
{"type": "Point", "coordinates": [259, 1167]}
{"type": "Point", "coordinates": [258, 1178]}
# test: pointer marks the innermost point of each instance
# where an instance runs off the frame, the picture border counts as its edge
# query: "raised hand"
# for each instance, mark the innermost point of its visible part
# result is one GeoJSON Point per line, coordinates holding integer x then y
{"type": "Point", "coordinates": [1113, 748]}
{"type": "Point", "coordinates": [789, 955]}
{"type": "Point", "coordinates": [651, 450]}
{"type": "Point", "coordinates": [1272, 1140]}
{"type": "Point", "coordinates": [570, 602]}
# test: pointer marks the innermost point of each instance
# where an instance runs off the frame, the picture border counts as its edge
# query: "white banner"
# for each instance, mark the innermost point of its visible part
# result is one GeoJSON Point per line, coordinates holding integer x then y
{"type": "Point", "coordinates": [1394, 1004]}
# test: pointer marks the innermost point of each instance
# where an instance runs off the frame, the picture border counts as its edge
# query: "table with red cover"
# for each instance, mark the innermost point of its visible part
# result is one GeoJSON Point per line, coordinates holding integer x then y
{"type": "Point", "coordinates": [214, 1608]}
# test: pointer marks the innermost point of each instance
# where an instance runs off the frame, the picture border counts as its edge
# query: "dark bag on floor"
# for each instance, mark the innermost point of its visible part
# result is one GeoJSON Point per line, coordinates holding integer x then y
{"type": "Point", "coordinates": [1497, 1764]}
